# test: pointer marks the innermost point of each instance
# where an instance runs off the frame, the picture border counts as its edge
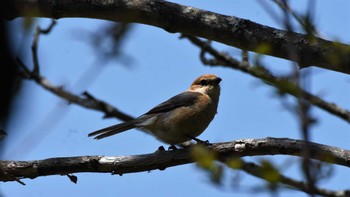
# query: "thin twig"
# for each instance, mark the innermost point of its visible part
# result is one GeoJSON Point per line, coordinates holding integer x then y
{"type": "Point", "coordinates": [303, 21]}
{"type": "Point", "coordinates": [35, 43]}
{"type": "Point", "coordinates": [303, 106]}
{"type": "Point", "coordinates": [260, 172]}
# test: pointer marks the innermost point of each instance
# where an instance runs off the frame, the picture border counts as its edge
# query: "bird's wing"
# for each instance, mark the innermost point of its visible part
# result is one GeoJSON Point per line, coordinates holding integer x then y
{"type": "Point", "coordinates": [180, 100]}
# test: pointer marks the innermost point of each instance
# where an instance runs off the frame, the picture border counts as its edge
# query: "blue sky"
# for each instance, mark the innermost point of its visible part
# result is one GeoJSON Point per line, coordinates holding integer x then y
{"type": "Point", "coordinates": [162, 66]}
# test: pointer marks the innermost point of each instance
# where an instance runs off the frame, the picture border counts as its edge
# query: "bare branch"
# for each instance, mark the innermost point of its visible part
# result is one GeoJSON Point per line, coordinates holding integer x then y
{"type": "Point", "coordinates": [283, 85]}
{"type": "Point", "coordinates": [161, 160]}
{"type": "Point", "coordinates": [39, 31]}
{"type": "Point", "coordinates": [16, 170]}
{"type": "Point", "coordinates": [88, 101]}
{"type": "Point", "coordinates": [172, 17]}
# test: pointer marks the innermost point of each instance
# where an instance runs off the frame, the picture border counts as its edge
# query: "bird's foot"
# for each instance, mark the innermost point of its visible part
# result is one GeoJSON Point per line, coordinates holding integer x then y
{"type": "Point", "coordinates": [160, 149]}
{"type": "Point", "coordinates": [206, 142]}
{"type": "Point", "coordinates": [172, 147]}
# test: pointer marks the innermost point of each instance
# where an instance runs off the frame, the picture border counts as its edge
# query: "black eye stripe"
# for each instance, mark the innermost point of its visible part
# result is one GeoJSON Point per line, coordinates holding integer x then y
{"type": "Point", "coordinates": [203, 82]}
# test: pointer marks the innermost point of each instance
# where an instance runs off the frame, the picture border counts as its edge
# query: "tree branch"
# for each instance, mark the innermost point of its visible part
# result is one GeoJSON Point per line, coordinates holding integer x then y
{"type": "Point", "coordinates": [161, 160]}
{"type": "Point", "coordinates": [88, 101]}
{"type": "Point", "coordinates": [230, 30]}
{"type": "Point", "coordinates": [260, 172]}
{"type": "Point", "coordinates": [16, 170]}
{"type": "Point", "coordinates": [39, 31]}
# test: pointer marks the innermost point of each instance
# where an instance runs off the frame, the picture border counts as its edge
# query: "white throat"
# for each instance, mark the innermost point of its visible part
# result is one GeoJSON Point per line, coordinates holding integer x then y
{"type": "Point", "coordinates": [202, 89]}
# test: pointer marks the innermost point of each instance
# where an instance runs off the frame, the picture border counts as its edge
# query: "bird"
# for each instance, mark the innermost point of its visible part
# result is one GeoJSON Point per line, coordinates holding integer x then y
{"type": "Point", "coordinates": [179, 119]}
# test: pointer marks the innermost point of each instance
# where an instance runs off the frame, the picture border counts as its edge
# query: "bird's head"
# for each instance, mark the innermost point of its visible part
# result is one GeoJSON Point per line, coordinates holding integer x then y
{"type": "Point", "coordinates": [207, 84]}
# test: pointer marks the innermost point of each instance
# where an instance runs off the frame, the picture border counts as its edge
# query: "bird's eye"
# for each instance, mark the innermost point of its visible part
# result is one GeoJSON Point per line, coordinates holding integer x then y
{"type": "Point", "coordinates": [203, 82]}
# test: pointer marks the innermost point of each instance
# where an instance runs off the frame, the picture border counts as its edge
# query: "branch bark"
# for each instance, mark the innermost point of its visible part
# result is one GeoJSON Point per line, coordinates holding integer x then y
{"type": "Point", "coordinates": [16, 170]}
{"type": "Point", "coordinates": [230, 30]}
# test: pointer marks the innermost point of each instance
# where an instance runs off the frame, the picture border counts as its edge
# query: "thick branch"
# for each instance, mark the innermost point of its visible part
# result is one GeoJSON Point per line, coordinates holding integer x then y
{"type": "Point", "coordinates": [143, 163]}
{"type": "Point", "coordinates": [172, 17]}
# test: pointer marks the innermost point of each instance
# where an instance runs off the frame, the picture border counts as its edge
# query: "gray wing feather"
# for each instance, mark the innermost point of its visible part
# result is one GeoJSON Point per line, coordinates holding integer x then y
{"type": "Point", "coordinates": [180, 100]}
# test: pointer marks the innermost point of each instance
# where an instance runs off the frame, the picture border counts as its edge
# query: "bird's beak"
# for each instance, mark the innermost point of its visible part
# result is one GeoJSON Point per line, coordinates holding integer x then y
{"type": "Point", "coordinates": [217, 81]}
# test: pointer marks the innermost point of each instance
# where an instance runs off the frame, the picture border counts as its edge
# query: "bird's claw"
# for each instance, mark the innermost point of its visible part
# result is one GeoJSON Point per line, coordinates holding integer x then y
{"type": "Point", "coordinates": [172, 147]}
{"type": "Point", "coordinates": [206, 142]}
{"type": "Point", "coordinates": [160, 149]}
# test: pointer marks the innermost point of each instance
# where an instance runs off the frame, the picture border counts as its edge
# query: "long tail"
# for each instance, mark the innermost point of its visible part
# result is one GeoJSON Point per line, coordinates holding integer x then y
{"type": "Point", "coordinates": [115, 129]}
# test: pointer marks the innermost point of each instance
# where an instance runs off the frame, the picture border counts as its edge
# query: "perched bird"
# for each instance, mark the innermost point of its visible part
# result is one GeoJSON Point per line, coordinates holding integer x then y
{"type": "Point", "coordinates": [179, 119]}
